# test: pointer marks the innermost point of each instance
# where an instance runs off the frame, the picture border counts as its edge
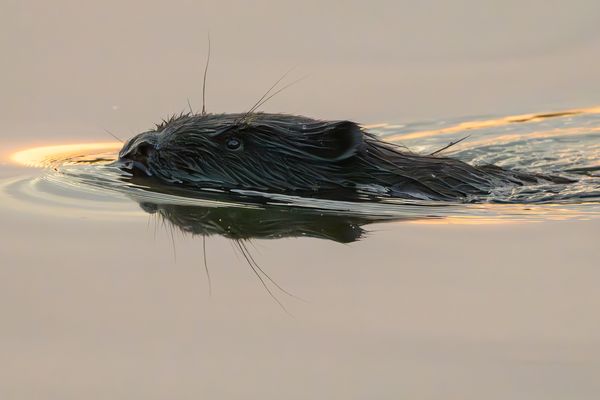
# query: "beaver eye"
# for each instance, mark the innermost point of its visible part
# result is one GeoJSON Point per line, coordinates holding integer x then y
{"type": "Point", "coordinates": [233, 143]}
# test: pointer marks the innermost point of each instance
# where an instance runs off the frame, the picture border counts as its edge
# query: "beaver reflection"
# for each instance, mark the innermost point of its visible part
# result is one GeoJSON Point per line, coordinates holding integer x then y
{"type": "Point", "coordinates": [245, 223]}
{"type": "Point", "coordinates": [241, 224]}
{"type": "Point", "coordinates": [245, 217]}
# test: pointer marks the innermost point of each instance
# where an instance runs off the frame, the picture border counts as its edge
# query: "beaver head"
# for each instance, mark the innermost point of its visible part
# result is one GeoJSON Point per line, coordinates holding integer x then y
{"type": "Point", "coordinates": [261, 151]}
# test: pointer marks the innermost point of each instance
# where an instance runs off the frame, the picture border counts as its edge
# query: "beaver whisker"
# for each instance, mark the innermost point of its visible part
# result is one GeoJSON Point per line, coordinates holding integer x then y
{"type": "Point", "coordinates": [260, 278]}
{"type": "Point", "coordinates": [266, 93]}
{"type": "Point", "coordinates": [279, 91]}
{"type": "Point", "coordinates": [243, 244]}
{"type": "Point", "coordinates": [173, 242]}
{"type": "Point", "coordinates": [113, 135]}
{"type": "Point", "coordinates": [449, 145]}
{"type": "Point", "coordinates": [204, 78]}
{"type": "Point", "coordinates": [206, 265]}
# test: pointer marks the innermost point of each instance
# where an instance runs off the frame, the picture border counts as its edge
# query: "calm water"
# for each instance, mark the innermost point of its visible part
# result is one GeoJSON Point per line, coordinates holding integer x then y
{"type": "Point", "coordinates": [157, 292]}
{"type": "Point", "coordinates": [109, 290]}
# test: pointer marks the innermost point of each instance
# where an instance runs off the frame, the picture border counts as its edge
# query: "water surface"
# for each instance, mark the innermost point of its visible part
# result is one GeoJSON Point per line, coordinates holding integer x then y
{"type": "Point", "coordinates": [104, 284]}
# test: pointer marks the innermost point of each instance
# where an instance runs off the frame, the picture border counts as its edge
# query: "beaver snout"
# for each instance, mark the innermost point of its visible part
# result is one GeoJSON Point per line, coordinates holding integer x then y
{"type": "Point", "coordinates": [135, 166]}
{"type": "Point", "coordinates": [136, 154]}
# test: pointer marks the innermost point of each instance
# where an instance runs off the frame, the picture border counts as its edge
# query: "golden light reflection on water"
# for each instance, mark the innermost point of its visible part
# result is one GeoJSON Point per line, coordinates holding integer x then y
{"type": "Point", "coordinates": [464, 220]}
{"type": "Point", "coordinates": [491, 123]}
{"type": "Point", "coordinates": [81, 153]}
{"type": "Point", "coordinates": [502, 139]}
{"type": "Point", "coordinates": [507, 215]}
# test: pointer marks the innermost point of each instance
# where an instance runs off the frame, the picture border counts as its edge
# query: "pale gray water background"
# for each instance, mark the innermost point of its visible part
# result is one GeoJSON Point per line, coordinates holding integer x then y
{"type": "Point", "coordinates": [498, 304]}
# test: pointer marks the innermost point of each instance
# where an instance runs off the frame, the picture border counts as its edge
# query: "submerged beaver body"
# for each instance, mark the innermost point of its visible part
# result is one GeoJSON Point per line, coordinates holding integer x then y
{"type": "Point", "coordinates": [297, 155]}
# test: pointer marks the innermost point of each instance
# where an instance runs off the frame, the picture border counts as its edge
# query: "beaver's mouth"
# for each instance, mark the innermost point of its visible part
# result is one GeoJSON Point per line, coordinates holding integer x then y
{"type": "Point", "coordinates": [135, 167]}
{"type": "Point", "coordinates": [136, 153]}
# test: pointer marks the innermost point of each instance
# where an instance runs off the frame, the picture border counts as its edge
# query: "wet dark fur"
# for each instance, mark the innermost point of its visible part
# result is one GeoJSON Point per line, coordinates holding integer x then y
{"type": "Point", "coordinates": [298, 155]}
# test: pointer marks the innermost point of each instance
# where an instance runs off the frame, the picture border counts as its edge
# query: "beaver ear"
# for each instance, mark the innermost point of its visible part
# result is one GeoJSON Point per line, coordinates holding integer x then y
{"type": "Point", "coordinates": [337, 141]}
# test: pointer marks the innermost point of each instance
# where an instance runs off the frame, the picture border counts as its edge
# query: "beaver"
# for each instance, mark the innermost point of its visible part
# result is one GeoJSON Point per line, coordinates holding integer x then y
{"type": "Point", "coordinates": [298, 155]}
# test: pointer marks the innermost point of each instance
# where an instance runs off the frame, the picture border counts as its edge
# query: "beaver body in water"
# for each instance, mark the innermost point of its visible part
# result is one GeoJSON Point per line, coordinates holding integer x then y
{"type": "Point", "coordinates": [298, 155]}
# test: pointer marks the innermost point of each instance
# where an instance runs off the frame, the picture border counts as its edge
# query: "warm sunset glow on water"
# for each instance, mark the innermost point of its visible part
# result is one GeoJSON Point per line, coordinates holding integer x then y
{"type": "Point", "coordinates": [491, 123]}
{"type": "Point", "coordinates": [503, 139]}
{"type": "Point", "coordinates": [46, 156]}
{"type": "Point", "coordinates": [470, 220]}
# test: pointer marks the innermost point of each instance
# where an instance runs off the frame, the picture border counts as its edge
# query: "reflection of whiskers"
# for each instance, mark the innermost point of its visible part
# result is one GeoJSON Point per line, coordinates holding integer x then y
{"type": "Point", "coordinates": [208, 280]}
{"type": "Point", "coordinates": [202, 223]}
{"type": "Point", "coordinates": [241, 246]}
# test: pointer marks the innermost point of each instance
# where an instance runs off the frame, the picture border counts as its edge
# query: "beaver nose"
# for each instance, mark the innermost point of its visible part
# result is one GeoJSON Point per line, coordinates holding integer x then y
{"type": "Point", "coordinates": [136, 159]}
